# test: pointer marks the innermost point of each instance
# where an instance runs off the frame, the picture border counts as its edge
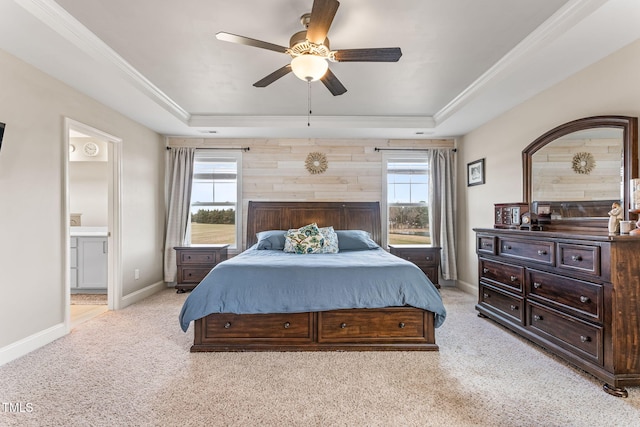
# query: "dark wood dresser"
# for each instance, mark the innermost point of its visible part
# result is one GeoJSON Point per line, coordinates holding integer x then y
{"type": "Point", "coordinates": [425, 257]}
{"type": "Point", "coordinates": [195, 262]}
{"type": "Point", "coordinates": [576, 295]}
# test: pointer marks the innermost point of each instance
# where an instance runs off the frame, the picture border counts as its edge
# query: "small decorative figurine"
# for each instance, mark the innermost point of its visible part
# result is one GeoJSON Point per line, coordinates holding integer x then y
{"type": "Point", "coordinates": [615, 216]}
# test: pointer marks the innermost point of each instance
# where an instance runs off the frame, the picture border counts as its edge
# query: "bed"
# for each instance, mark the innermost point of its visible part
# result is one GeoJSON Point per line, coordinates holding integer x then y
{"type": "Point", "coordinates": [351, 300]}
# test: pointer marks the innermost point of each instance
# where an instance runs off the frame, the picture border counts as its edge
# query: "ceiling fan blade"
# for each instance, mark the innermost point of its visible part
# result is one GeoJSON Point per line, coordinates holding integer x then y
{"type": "Point", "coordinates": [381, 54]}
{"type": "Point", "coordinates": [322, 14]}
{"type": "Point", "coordinates": [333, 84]}
{"type": "Point", "coordinates": [228, 37]}
{"type": "Point", "coordinates": [281, 72]}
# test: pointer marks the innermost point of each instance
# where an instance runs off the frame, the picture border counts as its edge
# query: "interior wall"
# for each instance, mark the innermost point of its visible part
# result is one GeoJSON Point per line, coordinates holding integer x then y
{"type": "Point", "coordinates": [274, 169]}
{"type": "Point", "coordinates": [34, 105]}
{"type": "Point", "coordinates": [609, 87]}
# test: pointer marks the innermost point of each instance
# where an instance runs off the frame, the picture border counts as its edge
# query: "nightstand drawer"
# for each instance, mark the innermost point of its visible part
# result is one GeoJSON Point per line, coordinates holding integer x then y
{"type": "Point", "coordinates": [198, 257]}
{"type": "Point", "coordinates": [194, 263]}
{"type": "Point", "coordinates": [192, 274]}
{"type": "Point", "coordinates": [427, 258]}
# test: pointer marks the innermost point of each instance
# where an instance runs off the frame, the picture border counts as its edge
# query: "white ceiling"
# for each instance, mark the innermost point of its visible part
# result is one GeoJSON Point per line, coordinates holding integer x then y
{"type": "Point", "coordinates": [464, 61]}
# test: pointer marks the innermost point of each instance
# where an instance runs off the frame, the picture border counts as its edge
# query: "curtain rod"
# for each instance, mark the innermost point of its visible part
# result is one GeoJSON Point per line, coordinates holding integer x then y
{"type": "Point", "coordinates": [218, 148]}
{"type": "Point", "coordinates": [409, 149]}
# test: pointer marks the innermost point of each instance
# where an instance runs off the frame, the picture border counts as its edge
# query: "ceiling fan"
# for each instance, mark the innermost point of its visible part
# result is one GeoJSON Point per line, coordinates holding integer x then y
{"type": "Point", "coordinates": [310, 51]}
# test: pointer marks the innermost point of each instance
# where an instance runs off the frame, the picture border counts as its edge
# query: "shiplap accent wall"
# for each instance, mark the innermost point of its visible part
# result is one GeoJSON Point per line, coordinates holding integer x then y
{"type": "Point", "coordinates": [274, 169]}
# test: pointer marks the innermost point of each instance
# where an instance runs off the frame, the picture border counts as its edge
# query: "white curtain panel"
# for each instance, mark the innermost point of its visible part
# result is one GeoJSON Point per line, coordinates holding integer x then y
{"type": "Point", "coordinates": [442, 199]}
{"type": "Point", "coordinates": [180, 182]}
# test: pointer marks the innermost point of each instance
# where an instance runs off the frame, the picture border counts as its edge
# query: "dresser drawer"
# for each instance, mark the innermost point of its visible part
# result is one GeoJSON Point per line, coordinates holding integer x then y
{"type": "Point", "coordinates": [486, 244]}
{"type": "Point", "coordinates": [507, 306]}
{"type": "Point", "coordinates": [198, 257]}
{"type": "Point", "coordinates": [570, 333]}
{"type": "Point", "coordinates": [580, 297]}
{"type": "Point", "coordinates": [583, 258]}
{"type": "Point", "coordinates": [258, 326]}
{"type": "Point", "coordinates": [396, 324]}
{"type": "Point", "coordinates": [510, 277]}
{"type": "Point", "coordinates": [527, 250]}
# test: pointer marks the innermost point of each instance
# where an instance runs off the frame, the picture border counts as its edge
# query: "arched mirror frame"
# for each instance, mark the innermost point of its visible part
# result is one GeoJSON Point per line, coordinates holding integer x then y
{"type": "Point", "coordinates": [629, 126]}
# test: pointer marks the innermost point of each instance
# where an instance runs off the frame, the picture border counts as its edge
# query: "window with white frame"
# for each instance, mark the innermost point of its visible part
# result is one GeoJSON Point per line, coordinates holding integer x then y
{"type": "Point", "coordinates": [407, 196]}
{"type": "Point", "coordinates": [215, 194]}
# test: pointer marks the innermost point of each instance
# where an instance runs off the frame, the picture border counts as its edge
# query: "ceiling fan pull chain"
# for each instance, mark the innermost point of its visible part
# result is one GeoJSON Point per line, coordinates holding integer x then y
{"type": "Point", "coordinates": [309, 102]}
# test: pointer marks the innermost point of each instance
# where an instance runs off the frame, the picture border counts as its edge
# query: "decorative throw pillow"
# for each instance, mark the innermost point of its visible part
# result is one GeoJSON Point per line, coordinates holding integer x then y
{"type": "Point", "coordinates": [304, 240]}
{"type": "Point", "coordinates": [330, 240]}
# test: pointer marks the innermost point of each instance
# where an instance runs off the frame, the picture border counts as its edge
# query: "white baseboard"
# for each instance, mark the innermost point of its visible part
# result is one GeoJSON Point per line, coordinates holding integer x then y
{"type": "Point", "coordinates": [30, 343]}
{"type": "Point", "coordinates": [141, 294]}
{"type": "Point", "coordinates": [467, 287]}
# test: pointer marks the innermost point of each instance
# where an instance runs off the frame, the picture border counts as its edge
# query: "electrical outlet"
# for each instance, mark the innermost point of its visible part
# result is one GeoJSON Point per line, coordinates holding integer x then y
{"type": "Point", "coordinates": [136, 274]}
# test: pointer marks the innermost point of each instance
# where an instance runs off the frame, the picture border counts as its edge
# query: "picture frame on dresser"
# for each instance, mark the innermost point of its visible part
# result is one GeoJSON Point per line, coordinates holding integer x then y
{"type": "Point", "coordinates": [475, 173]}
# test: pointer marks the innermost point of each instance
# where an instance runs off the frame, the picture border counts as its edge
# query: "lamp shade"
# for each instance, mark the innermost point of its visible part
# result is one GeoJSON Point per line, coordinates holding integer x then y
{"type": "Point", "coordinates": [309, 67]}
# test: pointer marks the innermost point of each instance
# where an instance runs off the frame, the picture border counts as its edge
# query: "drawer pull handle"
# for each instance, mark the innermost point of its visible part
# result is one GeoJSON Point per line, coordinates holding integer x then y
{"type": "Point", "coordinates": [576, 258]}
{"type": "Point", "coordinates": [537, 318]}
{"type": "Point", "coordinates": [343, 325]}
{"type": "Point", "coordinates": [513, 278]}
{"type": "Point", "coordinates": [286, 325]}
{"type": "Point", "coordinates": [507, 247]}
{"type": "Point", "coordinates": [536, 285]}
{"type": "Point", "coordinates": [542, 252]}
{"type": "Point", "coordinates": [401, 325]}
{"type": "Point", "coordinates": [514, 307]}
{"type": "Point", "coordinates": [227, 325]}
{"type": "Point", "coordinates": [585, 339]}
{"type": "Point", "coordinates": [485, 270]}
{"type": "Point", "coordinates": [584, 298]}
{"type": "Point", "coordinates": [486, 244]}
{"type": "Point", "coordinates": [485, 295]}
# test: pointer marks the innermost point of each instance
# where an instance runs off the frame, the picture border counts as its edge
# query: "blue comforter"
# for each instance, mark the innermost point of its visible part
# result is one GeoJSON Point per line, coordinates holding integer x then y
{"type": "Point", "coordinates": [268, 281]}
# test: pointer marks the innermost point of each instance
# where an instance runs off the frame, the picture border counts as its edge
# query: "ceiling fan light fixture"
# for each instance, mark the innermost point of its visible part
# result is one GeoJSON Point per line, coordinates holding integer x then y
{"type": "Point", "coordinates": [309, 67]}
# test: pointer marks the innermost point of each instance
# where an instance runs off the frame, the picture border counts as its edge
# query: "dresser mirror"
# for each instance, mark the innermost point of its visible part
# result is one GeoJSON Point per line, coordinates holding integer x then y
{"type": "Point", "coordinates": [573, 173]}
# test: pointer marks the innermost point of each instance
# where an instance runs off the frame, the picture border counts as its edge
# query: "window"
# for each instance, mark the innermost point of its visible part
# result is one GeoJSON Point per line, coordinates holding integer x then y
{"type": "Point", "coordinates": [407, 195]}
{"type": "Point", "coordinates": [215, 212]}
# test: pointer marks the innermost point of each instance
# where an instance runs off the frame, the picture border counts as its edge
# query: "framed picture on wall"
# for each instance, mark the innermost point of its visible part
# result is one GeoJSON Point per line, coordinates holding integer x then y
{"type": "Point", "coordinates": [475, 173]}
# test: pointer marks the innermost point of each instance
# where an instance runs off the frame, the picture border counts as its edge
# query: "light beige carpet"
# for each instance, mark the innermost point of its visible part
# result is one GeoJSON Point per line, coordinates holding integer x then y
{"type": "Point", "coordinates": [106, 373]}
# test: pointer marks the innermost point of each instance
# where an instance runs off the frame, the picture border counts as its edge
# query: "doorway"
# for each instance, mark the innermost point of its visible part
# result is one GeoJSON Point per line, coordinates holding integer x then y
{"type": "Point", "coordinates": [92, 222]}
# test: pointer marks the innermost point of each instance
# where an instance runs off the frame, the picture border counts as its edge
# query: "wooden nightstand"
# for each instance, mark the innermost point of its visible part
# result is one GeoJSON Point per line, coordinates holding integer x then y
{"type": "Point", "coordinates": [425, 257]}
{"type": "Point", "coordinates": [195, 262]}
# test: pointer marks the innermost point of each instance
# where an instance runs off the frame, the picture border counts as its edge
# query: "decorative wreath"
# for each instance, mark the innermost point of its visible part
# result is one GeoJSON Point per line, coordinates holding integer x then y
{"type": "Point", "coordinates": [316, 163]}
{"type": "Point", "coordinates": [583, 163]}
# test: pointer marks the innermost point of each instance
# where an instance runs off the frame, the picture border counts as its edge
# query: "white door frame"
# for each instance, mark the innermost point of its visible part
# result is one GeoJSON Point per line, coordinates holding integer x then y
{"type": "Point", "coordinates": [114, 269]}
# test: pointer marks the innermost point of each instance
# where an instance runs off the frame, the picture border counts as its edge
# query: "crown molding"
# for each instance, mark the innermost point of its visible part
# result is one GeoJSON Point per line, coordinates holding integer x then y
{"type": "Point", "coordinates": [64, 24]}
{"type": "Point", "coordinates": [563, 20]}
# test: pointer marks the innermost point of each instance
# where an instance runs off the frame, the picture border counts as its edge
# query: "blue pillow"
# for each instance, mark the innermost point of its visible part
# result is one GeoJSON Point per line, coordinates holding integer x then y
{"type": "Point", "coordinates": [355, 240]}
{"type": "Point", "coordinates": [271, 240]}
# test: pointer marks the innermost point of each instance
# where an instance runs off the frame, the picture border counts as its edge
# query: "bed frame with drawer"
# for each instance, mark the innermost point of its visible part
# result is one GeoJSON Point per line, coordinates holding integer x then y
{"type": "Point", "coordinates": [391, 328]}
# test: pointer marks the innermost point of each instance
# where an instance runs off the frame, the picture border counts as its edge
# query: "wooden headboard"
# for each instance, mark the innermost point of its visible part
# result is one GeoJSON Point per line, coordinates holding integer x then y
{"type": "Point", "coordinates": [341, 215]}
